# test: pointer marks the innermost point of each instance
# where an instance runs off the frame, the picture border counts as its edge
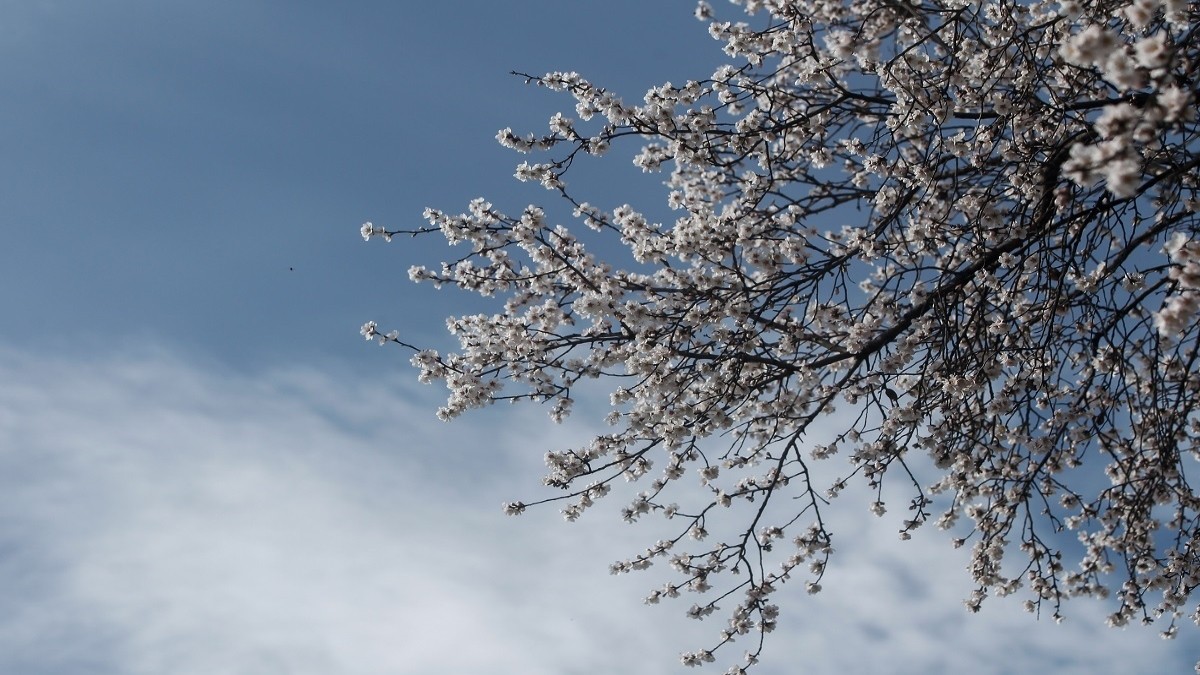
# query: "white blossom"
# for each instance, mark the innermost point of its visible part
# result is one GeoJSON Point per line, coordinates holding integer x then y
{"type": "Point", "coordinates": [964, 239]}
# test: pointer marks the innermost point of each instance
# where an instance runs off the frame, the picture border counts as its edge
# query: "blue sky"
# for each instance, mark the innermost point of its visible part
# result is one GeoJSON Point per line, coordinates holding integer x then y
{"type": "Point", "coordinates": [203, 468]}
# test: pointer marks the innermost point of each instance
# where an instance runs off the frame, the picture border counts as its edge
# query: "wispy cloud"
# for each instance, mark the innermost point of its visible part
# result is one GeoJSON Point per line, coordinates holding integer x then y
{"type": "Point", "coordinates": [162, 516]}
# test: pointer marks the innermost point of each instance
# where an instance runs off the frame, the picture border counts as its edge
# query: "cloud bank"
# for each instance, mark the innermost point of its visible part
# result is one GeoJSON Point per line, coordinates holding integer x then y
{"type": "Point", "coordinates": [159, 515]}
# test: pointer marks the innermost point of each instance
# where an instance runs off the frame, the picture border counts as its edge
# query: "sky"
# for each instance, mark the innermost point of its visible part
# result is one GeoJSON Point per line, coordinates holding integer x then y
{"type": "Point", "coordinates": [205, 469]}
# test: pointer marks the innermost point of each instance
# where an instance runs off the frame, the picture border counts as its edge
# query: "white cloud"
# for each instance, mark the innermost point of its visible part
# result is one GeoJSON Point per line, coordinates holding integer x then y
{"type": "Point", "coordinates": [162, 516]}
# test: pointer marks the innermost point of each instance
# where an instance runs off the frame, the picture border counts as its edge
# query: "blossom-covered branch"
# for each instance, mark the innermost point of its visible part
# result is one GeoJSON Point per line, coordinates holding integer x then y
{"type": "Point", "coordinates": [973, 225]}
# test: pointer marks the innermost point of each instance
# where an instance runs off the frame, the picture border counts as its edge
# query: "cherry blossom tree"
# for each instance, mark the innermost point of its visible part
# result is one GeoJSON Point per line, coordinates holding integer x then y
{"type": "Point", "coordinates": [970, 227]}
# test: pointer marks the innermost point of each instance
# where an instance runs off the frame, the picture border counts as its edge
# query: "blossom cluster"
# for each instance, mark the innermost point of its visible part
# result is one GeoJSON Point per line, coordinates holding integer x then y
{"type": "Point", "coordinates": [1182, 309]}
{"type": "Point", "coordinates": [969, 228]}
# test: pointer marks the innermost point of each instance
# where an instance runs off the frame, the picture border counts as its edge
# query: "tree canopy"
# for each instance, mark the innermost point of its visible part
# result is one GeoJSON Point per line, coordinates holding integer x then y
{"type": "Point", "coordinates": [970, 227]}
